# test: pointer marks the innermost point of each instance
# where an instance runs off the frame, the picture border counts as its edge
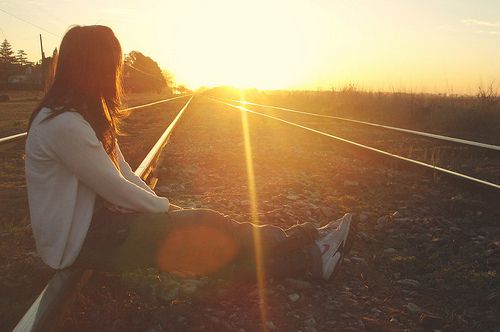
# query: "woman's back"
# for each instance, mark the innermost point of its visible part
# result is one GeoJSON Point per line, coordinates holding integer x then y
{"type": "Point", "coordinates": [66, 168]}
{"type": "Point", "coordinates": [61, 206]}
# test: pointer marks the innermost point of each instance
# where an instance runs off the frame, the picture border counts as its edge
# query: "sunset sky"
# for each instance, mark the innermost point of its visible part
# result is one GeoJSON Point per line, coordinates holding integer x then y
{"type": "Point", "coordinates": [433, 46]}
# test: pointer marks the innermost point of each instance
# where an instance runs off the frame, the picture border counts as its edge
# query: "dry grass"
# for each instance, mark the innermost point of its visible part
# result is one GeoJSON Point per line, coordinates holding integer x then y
{"type": "Point", "coordinates": [474, 117]}
{"type": "Point", "coordinates": [23, 95]}
{"type": "Point", "coordinates": [134, 99]}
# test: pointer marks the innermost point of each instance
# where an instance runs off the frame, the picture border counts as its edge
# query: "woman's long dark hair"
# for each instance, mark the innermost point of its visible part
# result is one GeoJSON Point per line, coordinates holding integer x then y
{"type": "Point", "coordinates": [87, 80]}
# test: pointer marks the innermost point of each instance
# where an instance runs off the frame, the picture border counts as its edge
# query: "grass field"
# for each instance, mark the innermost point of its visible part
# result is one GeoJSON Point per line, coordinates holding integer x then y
{"type": "Point", "coordinates": [14, 114]}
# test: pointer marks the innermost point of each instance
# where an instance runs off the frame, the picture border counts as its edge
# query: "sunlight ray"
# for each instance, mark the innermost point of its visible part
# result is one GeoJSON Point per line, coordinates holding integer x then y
{"type": "Point", "coordinates": [255, 218]}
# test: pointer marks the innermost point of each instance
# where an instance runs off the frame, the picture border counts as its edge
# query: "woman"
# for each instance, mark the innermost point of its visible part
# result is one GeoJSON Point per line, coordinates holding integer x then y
{"type": "Point", "coordinates": [89, 209]}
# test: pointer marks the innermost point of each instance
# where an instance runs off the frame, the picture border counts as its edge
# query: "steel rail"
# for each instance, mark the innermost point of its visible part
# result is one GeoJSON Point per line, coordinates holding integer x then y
{"type": "Point", "coordinates": [408, 131]}
{"type": "Point", "coordinates": [144, 168]}
{"type": "Point", "coordinates": [153, 103]}
{"type": "Point", "coordinates": [438, 169]}
{"type": "Point", "coordinates": [12, 138]}
{"type": "Point", "coordinates": [44, 312]}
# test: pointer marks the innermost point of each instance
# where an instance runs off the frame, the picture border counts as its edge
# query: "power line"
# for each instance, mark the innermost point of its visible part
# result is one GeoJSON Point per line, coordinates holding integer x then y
{"type": "Point", "coordinates": [48, 13]}
{"type": "Point", "coordinates": [32, 24]}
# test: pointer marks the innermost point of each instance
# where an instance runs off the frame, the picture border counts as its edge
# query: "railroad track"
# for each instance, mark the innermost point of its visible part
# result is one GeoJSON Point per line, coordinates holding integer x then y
{"type": "Point", "coordinates": [45, 312]}
{"type": "Point", "coordinates": [376, 125]}
{"type": "Point", "coordinates": [478, 183]}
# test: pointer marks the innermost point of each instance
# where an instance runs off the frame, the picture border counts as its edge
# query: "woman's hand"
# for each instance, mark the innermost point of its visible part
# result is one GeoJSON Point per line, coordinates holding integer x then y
{"type": "Point", "coordinates": [116, 208]}
{"type": "Point", "coordinates": [173, 207]}
{"type": "Point", "coordinates": [119, 209]}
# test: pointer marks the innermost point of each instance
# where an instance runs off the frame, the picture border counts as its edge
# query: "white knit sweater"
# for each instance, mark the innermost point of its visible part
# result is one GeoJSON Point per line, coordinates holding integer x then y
{"type": "Point", "coordinates": [66, 168]}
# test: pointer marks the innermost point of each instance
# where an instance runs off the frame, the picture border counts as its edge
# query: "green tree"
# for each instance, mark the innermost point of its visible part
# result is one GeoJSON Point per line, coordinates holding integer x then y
{"type": "Point", "coordinates": [22, 58]}
{"type": "Point", "coordinates": [6, 53]}
{"type": "Point", "coordinates": [141, 74]}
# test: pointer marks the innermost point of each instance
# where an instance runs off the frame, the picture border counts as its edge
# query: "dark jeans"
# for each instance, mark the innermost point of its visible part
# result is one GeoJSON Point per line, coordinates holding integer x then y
{"type": "Point", "coordinates": [194, 242]}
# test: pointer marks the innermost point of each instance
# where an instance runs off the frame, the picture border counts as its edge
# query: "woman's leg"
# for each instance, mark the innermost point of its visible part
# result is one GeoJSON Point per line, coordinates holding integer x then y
{"type": "Point", "coordinates": [115, 242]}
{"type": "Point", "coordinates": [192, 241]}
{"type": "Point", "coordinates": [283, 252]}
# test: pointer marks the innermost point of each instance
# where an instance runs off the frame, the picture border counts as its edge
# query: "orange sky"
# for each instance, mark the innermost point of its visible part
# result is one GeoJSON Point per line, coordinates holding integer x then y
{"type": "Point", "coordinates": [433, 46]}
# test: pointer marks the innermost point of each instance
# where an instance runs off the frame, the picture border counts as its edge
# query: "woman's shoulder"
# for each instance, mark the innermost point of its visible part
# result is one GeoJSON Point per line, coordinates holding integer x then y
{"type": "Point", "coordinates": [67, 119]}
{"type": "Point", "coordinates": [68, 123]}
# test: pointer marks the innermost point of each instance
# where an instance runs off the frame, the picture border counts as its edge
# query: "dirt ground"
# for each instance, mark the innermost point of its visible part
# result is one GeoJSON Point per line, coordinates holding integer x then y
{"type": "Point", "coordinates": [425, 258]}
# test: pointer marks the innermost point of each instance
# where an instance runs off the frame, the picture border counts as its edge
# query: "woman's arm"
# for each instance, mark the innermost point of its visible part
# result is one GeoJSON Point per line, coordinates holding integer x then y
{"type": "Point", "coordinates": [127, 172]}
{"type": "Point", "coordinates": [174, 208]}
{"type": "Point", "coordinates": [75, 145]}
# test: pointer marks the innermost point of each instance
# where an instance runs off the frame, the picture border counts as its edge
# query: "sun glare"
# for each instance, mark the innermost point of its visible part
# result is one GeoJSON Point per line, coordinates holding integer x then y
{"type": "Point", "coordinates": [259, 47]}
{"type": "Point", "coordinates": [255, 217]}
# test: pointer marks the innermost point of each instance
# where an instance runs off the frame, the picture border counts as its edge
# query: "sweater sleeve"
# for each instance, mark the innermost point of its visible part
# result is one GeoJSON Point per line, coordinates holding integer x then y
{"type": "Point", "coordinates": [127, 172]}
{"type": "Point", "coordinates": [75, 144]}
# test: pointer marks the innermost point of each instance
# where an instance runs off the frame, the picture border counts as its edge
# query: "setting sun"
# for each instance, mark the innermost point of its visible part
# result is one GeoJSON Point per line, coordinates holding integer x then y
{"type": "Point", "coordinates": [254, 44]}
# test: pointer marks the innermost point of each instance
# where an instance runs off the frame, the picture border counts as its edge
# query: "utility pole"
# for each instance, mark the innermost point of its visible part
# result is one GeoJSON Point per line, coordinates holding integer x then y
{"type": "Point", "coordinates": [43, 69]}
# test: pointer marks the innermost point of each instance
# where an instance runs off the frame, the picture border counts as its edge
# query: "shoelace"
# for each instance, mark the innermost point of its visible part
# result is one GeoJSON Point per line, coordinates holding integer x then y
{"type": "Point", "coordinates": [325, 231]}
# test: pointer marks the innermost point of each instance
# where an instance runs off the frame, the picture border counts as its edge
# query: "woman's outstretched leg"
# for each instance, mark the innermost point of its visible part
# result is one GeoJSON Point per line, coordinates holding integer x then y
{"type": "Point", "coordinates": [190, 241]}
{"type": "Point", "coordinates": [206, 241]}
{"type": "Point", "coordinates": [199, 242]}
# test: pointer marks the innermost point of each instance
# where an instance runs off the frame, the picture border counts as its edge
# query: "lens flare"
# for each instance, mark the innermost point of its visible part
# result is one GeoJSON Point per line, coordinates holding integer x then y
{"type": "Point", "coordinates": [259, 266]}
{"type": "Point", "coordinates": [196, 250]}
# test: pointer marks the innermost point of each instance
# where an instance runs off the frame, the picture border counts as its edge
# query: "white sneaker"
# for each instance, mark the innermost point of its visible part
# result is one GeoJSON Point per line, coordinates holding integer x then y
{"type": "Point", "coordinates": [323, 231]}
{"type": "Point", "coordinates": [332, 245]}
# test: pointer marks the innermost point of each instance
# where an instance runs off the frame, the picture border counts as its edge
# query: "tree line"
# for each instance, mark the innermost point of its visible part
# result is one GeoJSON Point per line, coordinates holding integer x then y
{"type": "Point", "coordinates": [16, 70]}
{"type": "Point", "coordinates": [7, 55]}
{"type": "Point", "coordinates": [140, 72]}
{"type": "Point", "coordinates": [143, 74]}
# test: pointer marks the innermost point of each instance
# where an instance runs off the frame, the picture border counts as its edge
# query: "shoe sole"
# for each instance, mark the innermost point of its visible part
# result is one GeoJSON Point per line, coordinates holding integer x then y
{"type": "Point", "coordinates": [342, 249]}
{"type": "Point", "coordinates": [337, 257]}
